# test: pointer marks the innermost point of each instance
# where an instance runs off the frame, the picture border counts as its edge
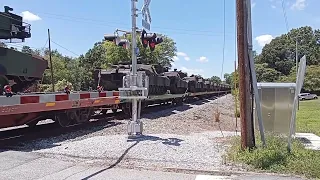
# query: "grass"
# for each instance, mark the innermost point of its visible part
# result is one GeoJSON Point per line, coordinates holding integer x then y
{"type": "Point", "coordinates": [275, 157]}
{"type": "Point", "coordinates": [308, 117]}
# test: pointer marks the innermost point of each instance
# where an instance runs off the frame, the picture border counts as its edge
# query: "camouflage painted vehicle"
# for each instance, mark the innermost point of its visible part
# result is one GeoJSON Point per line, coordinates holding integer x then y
{"type": "Point", "coordinates": [177, 84]}
{"type": "Point", "coordinates": [201, 83]}
{"type": "Point", "coordinates": [193, 84]}
{"type": "Point", "coordinates": [20, 70]}
{"type": "Point", "coordinates": [208, 85]}
{"type": "Point", "coordinates": [111, 79]}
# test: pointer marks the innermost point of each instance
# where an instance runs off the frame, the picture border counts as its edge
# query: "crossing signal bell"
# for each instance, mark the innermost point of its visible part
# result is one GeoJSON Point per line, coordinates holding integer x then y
{"type": "Point", "coordinates": [150, 40]}
{"type": "Point", "coordinates": [117, 41]}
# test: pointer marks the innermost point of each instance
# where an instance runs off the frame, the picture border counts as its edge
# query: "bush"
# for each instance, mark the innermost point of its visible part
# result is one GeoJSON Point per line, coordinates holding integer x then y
{"type": "Point", "coordinates": [276, 158]}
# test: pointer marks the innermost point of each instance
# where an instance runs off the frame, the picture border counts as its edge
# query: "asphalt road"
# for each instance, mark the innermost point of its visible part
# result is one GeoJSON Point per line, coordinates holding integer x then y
{"type": "Point", "coordinates": [27, 165]}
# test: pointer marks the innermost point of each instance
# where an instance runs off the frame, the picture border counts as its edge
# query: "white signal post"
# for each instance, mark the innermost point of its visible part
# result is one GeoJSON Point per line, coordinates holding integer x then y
{"type": "Point", "coordinates": [135, 85]}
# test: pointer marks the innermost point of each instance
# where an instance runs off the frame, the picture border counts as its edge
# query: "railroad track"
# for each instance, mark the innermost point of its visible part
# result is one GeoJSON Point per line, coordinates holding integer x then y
{"type": "Point", "coordinates": [13, 138]}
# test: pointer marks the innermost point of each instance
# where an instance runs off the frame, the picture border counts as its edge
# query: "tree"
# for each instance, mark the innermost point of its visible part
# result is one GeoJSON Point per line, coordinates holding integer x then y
{"type": "Point", "coordinates": [311, 80]}
{"type": "Point", "coordinates": [265, 74]}
{"type": "Point", "coordinates": [279, 54]}
{"type": "Point", "coordinates": [162, 54]}
{"type": "Point", "coordinates": [215, 79]}
{"type": "Point", "coordinates": [228, 78]}
{"type": "Point", "coordinates": [27, 49]}
{"type": "Point", "coordinates": [115, 54]}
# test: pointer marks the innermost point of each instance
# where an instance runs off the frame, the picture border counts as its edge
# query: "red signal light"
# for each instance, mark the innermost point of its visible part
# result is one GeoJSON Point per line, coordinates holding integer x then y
{"type": "Point", "coordinates": [145, 43]}
{"type": "Point", "coordinates": [7, 89]}
{"type": "Point", "coordinates": [152, 45]}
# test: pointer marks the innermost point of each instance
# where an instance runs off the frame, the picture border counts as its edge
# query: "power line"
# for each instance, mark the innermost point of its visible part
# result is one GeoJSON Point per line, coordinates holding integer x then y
{"type": "Point", "coordinates": [224, 36]}
{"type": "Point", "coordinates": [65, 48]}
{"type": "Point", "coordinates": [94, 20]}
{"type": "Point", "coordinates": [285, 15]}
{"type": "Point", "coordinates": [107, 24]}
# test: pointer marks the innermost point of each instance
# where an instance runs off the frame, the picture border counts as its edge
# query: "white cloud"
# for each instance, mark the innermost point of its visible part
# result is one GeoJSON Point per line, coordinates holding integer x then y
{"type": "Point", "coordinates": [253, 4]}
{"type": "Point", "coordinates": [203, 59]}
{"type": "Point", "coordinates": [173, 64]}
{"type": "Point", "coordinates": [181, 54]}
{"type": "Point", "coordinates": [175, 58]}
{"type": "Point", "coordinates": [299, 5]}
{"type": "Point", "coordinates": [273, 6]}
{"type": "Point", "coordinates": [184, 55]}
{"type": "Point", "coordinates": [191, 71]}
{"type": "Point", "coordinates": [28, 16]}
{"type": "Point", "coordinates": [264, 39]}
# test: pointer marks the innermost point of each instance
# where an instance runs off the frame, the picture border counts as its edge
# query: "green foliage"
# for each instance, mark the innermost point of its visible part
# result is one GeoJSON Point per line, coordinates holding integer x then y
{"type": "Point", "coordinates": [79, 71]}
{"type": "Point", "coordinates": [311, 81]}
{"type": "Point", "coordinates": [265, 74]}
{"type": "Point", "coordinates": [59, 86]}
{"type": "Point", "coordinates": [27, 49]}
{"type": "Point", "coordinates": [228, 78]}
{"type": "Point", "coordinates": [114, 54]}
{"type": "Point", "coordinates": [308, 117]}
{"type": "Point", "coordinates": [277, 59]}
{"type": "Point", "coordinates": [275, 157]}
{"type": "Point", "coordinates": [215, 79]}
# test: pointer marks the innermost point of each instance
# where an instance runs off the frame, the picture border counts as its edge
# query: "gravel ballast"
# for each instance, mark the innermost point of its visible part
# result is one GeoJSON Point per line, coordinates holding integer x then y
{"type": "Point", "coordinates": [184, 137]}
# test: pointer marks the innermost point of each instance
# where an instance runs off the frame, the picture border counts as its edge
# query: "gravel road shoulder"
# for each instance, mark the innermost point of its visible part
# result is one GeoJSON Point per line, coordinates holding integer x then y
{"type": "Point", "coordinates": [184, 137]}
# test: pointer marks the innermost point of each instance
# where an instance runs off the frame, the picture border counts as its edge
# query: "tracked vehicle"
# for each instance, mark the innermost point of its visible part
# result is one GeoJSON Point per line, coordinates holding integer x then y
{"type": "Point", "coordinates": [111, 79]}
{"type": "Point", "coordinates": [177, 84]}
{"type": "Point", "coordinates": [17, 69]}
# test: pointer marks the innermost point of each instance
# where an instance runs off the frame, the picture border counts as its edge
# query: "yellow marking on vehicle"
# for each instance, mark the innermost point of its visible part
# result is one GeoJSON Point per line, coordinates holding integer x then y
{"type": "Point", "coordinates": [97, 101]}
{"type": "Point", "coordinates": [50, 104]}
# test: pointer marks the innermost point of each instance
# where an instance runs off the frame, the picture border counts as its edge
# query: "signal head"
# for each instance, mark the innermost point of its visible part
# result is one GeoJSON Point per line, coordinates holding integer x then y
{"type": "Point", "coordinates": [152, 44]}
{"type": "Point", "coordinates": [124, 43]}
{"type": "Point", "coordinates": [159, 40]}
{"type": "Point", "coordinates": [110, 38]}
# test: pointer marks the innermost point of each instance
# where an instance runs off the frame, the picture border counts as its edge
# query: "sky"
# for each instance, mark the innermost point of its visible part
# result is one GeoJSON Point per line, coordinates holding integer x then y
{"type": "Point", "coordinates": [197, 26]}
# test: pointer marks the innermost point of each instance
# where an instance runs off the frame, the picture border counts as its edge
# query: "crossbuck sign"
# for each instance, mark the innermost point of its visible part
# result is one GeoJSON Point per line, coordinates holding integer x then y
{"type": "Point", "coordinates": [146, 18]}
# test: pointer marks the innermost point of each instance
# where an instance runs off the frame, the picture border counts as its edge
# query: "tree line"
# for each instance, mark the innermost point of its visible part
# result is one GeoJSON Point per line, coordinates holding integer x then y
{"type": "Point", "coordinates": [79, 71]}
{"type": "Point", "coordinates": [275, 63]}
{"type": "Point", "coordinates": [277, 60]}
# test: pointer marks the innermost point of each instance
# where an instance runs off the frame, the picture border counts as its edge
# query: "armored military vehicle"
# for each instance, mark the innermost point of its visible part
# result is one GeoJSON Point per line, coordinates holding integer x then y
{"type": "Point", "coordinates": [112, 78]}
{"type": "Point", "coordinates": [193, 84]}
{"type": "Point", "coordinates": [177, 84]}
{"type": "Point", "coordinates": [20, 70]}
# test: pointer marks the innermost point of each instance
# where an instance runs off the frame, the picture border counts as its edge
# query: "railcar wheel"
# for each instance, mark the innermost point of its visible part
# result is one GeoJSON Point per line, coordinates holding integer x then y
{"type": "Point", "coordinates": [80, 115]}
{"type": "Point", "coordinates": [63, 119]}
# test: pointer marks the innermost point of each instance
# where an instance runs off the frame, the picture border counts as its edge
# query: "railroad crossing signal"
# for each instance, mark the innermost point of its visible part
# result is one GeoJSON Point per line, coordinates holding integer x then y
{"type": "Point", "coordinates": [150, 39]}
{"type": "Point", "coordinates": [117, 40]}
{"type": "Point", "coordinates": [146, 17]}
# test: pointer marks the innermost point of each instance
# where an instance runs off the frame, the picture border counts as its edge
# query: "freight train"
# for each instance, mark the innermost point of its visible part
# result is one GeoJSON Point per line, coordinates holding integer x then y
{"type": "Point", "coordinates": [161, 81]}
{"type": "Point", "coordinates": [21, 70]}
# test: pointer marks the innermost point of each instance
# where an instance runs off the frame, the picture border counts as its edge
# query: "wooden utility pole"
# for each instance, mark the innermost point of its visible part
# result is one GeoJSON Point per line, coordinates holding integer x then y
{"type": "Point", "coordinates": [246, 118]}
{"type": "Point", "coordinates": [51, 67]}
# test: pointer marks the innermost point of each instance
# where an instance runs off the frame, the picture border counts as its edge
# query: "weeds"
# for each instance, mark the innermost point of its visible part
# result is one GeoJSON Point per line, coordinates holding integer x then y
{"type": "Point", "coordinates": [275, 157]}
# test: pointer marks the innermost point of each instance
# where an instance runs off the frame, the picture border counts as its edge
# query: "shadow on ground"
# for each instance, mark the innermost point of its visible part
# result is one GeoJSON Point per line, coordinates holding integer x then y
{"type": "Point", "coordinates": [166, 141]}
